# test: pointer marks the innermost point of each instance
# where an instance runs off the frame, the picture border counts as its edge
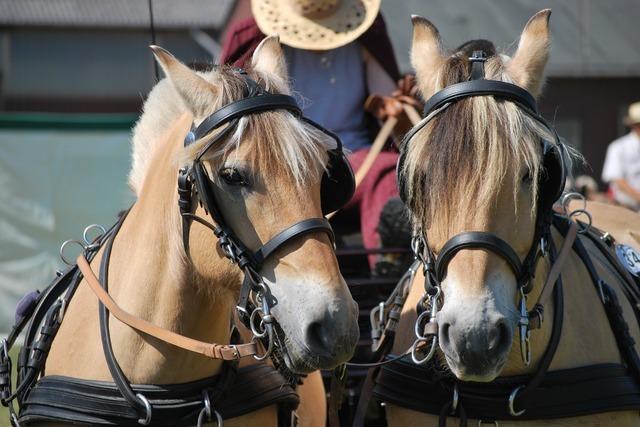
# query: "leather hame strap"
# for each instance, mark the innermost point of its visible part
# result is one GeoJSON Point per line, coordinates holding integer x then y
{"type": "Point", "coordinates": [212, 350]}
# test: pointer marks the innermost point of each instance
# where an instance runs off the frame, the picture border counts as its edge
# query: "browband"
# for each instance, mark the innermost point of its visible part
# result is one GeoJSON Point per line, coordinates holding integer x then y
{"type": "Point", "coordinates": [481, 87]}
{"type": "Point", "coordinates": [242, 107]}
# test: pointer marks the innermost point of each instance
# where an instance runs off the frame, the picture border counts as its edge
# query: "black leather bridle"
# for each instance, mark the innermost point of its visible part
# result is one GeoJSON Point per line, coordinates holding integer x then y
{"type": "Point", "coordinates": [435, 267]}
{"type": "Point", "coordinates": [255, 299]}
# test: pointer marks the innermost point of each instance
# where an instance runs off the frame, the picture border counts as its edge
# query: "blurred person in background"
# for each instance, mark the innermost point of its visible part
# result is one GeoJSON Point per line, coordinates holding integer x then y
{"type": "Point", "coordinates": [622, 163]}
{"type": "Point", "coordinates": [339, 53]}
{"type": "Point", "coordinates": [588, 187]}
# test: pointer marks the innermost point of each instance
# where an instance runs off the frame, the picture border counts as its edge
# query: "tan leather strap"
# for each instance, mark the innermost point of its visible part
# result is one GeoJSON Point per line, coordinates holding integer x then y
{"type": "Point", "coordinates": [555, 271]}
{"type": "Point", "coordinates": [212, 350]}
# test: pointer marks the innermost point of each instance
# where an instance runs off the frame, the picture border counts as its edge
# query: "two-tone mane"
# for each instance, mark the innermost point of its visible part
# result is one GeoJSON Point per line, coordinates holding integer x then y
{"type": "Point", "coordinates": [283, 144]}
{"type": "Point", "coordinates": [467, 152]}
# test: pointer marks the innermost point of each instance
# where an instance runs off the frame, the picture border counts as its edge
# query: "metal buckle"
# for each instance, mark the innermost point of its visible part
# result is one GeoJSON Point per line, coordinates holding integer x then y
{"type": "Point", "coordinates": [525, 332]}
{"type": "Point", "coordinates": [147, 407]}
{"type": "Point", "coordinates": [236, 353]}
{"type": "Point", "coordinates": [512, 398]}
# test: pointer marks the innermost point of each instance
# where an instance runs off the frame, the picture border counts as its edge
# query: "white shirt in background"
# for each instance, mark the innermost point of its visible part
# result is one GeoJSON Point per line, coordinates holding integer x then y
{"type": "Point", "coordinates": [623, 162]}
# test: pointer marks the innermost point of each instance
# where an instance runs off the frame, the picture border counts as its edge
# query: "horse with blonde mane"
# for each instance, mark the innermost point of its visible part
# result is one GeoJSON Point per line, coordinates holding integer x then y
{"type": "Point", "coordinates": [266, 170]}
{"type": "Point", "coordinates": [514, 318]}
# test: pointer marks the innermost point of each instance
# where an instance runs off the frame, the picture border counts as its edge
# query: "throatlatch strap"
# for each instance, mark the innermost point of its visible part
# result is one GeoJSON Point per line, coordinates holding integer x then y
{"type": "Point", "coordinates": [212, 350]}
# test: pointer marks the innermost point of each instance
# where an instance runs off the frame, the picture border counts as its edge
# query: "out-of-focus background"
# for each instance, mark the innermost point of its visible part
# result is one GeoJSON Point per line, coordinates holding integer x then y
{"type": "Point", "coordinates": [74, 74]}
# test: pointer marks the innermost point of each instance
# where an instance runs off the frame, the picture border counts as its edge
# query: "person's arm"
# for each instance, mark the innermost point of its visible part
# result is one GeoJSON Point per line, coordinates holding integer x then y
{"type": "Point", "coordinates": [382, 87]}
{"type": "Point", "coordinates": [613, 171]}
{"type": "Point", "coordinates": [625, 187]}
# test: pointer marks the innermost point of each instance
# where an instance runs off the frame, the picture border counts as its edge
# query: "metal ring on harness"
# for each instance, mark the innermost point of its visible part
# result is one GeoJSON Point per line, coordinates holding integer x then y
{"type": "Point", "coordinates": [512, 398]}
{"type": "Point", "coordinates": [566, 199]}
{"type": "Point", "coordinates": [269, 338]}
{"type": "Point", "coordinates": [64, 245]}
{"type": "Point", "coordinates": [583, 228]}
{"type": "Point", "coordinates": [88, 228]}
{"type": "Point", "coordinates": [147, 407]}
{"type": "Point", "coordinates": [205, 413]}
{"type": "Point", "coordinates": [258, 330]}
{"type": "Point", "coordinates": [414, 349]}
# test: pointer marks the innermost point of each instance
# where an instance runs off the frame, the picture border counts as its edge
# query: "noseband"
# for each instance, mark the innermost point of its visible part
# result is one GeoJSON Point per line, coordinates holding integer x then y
{"type": "Point", "coordinates": [435, 267]}
{"type": "Point", "coordinates": [194, 184]}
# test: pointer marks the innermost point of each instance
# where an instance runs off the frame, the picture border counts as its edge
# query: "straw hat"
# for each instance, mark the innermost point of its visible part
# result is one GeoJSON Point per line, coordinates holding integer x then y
{"type": "Point", "coordinates": [315, 24]}
{"type": "Point", "coordinates": [633, 115]}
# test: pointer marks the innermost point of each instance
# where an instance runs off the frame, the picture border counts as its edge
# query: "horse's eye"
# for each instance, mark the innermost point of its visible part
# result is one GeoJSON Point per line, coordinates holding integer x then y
{"type": "Point", "coordinates": [527, 178]}
{"type": "Point", "coordinates": [232, 176]}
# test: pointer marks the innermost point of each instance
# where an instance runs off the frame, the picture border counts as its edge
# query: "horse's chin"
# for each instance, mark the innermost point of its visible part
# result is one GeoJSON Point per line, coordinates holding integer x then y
{"type": "Point", "coordinates": [301, 360]}
{"type": "Point", "coordinates": [481, 375]}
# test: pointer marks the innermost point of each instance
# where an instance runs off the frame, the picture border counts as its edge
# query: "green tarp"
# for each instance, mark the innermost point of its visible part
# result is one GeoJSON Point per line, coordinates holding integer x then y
{"type": "Point", "coordinates": [53, 183]}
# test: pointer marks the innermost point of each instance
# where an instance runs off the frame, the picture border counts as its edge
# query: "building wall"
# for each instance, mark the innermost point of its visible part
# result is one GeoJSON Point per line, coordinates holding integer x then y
{"type": "Point", "coordinates": [83, 70]}
{"type": "Point", "coordinates": [589, 112]}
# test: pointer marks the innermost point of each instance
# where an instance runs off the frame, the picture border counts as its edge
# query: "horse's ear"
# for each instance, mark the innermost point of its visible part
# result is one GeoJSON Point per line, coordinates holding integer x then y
{"type": "Point", "coordinates": [269, 58]}
{"type": "Point", "coordinates": [426, 54]}
{"type": "Point", "coordinates": [526, 68]}
{"type": "Point", "coordinates": [197, 93]}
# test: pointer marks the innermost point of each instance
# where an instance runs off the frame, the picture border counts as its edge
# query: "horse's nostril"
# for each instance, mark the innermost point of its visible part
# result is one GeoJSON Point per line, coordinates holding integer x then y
{"type": "Point", "coordinates": [318, 340]}
{"type": "Point", "coordinates": [444, 333]}
{"type": "Point", "coordinates": [499, 336]}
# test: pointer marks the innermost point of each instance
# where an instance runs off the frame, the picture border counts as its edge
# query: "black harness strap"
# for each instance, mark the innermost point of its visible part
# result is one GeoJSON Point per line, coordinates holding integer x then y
{"type": "Point", "coordinates": [119, 378]}
{"type": "Point", "coordinates": [475, 240]}
{"type": "Point", "coordinates": [481, 87]}
{"type": "Point", "coordinates": [563, 393]}
{"type": "Point", "coordinates": [232, 394]}
{"type": "Point", "coordinates": [311, 225]}
{"type": "Point", "coordinates": [252, 104]}
{"type": "Point", "coordinates": [546, 394]}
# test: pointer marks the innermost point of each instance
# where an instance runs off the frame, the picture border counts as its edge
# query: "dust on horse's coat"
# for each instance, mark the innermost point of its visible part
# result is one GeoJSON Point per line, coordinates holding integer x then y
{"type": "Point", "coordinates": [481, 174]}
{"type": "Point", "coordinates": [150, 275]}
